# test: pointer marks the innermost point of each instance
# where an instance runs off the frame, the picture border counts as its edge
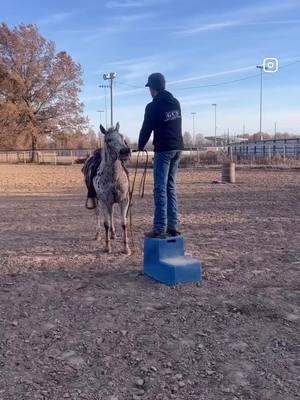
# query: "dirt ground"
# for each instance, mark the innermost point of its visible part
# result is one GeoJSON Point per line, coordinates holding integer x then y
{"type": "Point", "coordinates": [76, 323]}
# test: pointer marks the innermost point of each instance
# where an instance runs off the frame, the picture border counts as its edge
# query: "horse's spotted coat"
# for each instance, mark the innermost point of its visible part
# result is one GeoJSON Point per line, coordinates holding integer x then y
{"type": "Point", "coordinates": [111, 184]}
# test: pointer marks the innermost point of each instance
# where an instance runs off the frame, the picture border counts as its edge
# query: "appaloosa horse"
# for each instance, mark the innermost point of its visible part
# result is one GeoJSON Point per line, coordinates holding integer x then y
{"type": "Point", "coordinates": [111, 184]}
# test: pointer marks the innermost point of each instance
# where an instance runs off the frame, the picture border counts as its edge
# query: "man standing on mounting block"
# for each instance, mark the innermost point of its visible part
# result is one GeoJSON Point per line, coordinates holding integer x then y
{"type": "Point", "coordinates": [163, 117]}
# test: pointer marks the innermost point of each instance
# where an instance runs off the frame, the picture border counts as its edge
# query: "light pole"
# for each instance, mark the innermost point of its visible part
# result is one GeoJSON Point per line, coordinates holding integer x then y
{"type": "Point", "coordinates": [110, 77]}
{"type": "Point", "coordinates": [215, 105]}
{"type": "Point", "coordinates": [99, 135]}
{"type": "Point", "coordinates": [193, 114]}
{"type": "Point", "coordinates": [275, 130]}
{"type": "Point", "coordinates": [261, 98]}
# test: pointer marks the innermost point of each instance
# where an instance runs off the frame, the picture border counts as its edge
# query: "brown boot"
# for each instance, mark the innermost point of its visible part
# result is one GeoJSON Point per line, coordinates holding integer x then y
{"type": "Point", "coordinates": [173, 232]}
{"type": "Point", "coordinates": [155, 235]}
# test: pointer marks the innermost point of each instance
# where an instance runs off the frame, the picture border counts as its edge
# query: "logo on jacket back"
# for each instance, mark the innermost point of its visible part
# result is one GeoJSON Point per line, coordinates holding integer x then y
{"type": "Point", "coordinates": [172, 115]}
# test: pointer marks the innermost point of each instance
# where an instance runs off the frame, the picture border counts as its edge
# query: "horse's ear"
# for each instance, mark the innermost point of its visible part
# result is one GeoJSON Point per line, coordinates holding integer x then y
{"type": "Point", "coordinates": [117, 127]}
{"type": "Point", "coordinates": [103, 130]}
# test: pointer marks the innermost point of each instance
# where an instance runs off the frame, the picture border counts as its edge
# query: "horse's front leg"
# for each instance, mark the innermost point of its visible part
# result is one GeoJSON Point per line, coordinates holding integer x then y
{"type": "Point", "coordinates": [107, 218]}
{"type": "Point", "coordinates": [124, 207]}
{"type": "Point", "coordinates": [112, 226]}
{"type": "Point", "coordinates": [98, 214]}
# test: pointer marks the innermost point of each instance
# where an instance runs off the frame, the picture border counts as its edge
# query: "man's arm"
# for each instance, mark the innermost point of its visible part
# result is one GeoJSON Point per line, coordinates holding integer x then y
{"type": "Point", "coordinates": [147, 128]}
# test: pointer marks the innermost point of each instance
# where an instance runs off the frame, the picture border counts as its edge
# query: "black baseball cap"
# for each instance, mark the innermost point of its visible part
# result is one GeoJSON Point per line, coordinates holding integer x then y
{"type": "Point", "coordinates": [156, 81]}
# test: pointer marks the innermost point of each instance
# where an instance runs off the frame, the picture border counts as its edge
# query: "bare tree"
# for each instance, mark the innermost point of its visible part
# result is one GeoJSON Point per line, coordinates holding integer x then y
{"type": "Point", "coordinates": [92, 139]}
{"type": "Point", "coordinates": [200, 141]}
{"type": "Point", "coordinates": [187, 139]}
{"type": "Point", "coordinates": [39, 87]}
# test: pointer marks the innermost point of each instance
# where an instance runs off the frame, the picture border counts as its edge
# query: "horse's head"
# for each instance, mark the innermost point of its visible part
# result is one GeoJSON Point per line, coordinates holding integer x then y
{"type": "Point", "coordinates": [115, 143]}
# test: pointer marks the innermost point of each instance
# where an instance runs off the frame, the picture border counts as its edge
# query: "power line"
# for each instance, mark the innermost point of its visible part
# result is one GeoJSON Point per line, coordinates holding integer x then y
{"type": "Point", "coordinates": [213, 84]}
{"type": "Point", "coordinates": [200, 86]}
{"type": "Point", "coordinates": [218, 84]}
{"type": "Point", "coordinates": [130, 85]}
{"type": "Point", "coordinates": [289, 64]}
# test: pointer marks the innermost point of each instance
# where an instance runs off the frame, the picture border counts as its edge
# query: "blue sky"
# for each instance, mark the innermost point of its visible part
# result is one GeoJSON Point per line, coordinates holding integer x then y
{"type": "Point", "coordinates": [194, 43]}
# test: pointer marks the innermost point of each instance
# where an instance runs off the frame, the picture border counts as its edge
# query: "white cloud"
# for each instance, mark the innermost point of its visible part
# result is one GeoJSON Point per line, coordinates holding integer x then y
{"type": "Point", "coordinates": [117, 25]}
{"type": "Point", "coordinates": [130, 3]}
{"type": "Point", "coordinates": [242, 17]}
{"type": "Point", "coordinates": [205, 76]}
{"type": "Point", "coordinates": [134, 17]}
{"type": "Point", "coordinates": [54, 19]}
{"type": "Point", "coordinates": [231, 24]}
{"type": "Point", "coordinates": [136, 70]}
{"type": "Point", "coordinates": [209, 27]}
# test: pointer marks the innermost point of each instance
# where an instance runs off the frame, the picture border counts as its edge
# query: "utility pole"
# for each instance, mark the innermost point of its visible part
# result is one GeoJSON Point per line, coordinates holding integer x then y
{"type": "Point", "coordinates": [261, 99]}
{"type": "Point", "coordinates": [244, 130]}
{"type": "Point", "coordinates": [194, 138]}
{"type": "Point", "coordinates": [110, 77]}
{"type": "Point", "coordinates": [215, 105]}
{"type": "Point", "coordinates": [275, 130]}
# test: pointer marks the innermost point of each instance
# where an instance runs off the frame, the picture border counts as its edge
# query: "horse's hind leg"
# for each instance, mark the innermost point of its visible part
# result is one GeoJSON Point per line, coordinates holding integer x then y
{"type": "Point", "coordinates": [98, 229]}
{"type": "Point", "coordinates": [112, 226]}
{"type": "Point", "coordinates": [124, 208]}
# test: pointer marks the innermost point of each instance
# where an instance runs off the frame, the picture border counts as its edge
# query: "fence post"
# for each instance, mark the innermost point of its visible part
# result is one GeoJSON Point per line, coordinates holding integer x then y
{"type": "Point", "coordinates": [269, 152]}
{"type": "Point", "coordinates": [72, 159]}
{"type": "Point", "coordinates": [55, 158]}
{"type": "Point", "coordinates": [284, 152]}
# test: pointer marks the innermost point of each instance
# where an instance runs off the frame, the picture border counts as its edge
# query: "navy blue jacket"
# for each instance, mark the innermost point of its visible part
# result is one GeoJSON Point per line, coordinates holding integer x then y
{"type": "Point", "coordinates": [163, 117]}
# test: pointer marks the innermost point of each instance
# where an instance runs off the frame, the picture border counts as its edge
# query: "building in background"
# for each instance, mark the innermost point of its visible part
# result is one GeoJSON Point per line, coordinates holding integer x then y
{"type": "Point", "coordinates": [285, 148]}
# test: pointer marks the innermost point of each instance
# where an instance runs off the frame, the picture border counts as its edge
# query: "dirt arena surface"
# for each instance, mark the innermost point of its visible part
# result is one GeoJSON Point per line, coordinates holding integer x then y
{"type": "Point", "coordinates": [76, 323]}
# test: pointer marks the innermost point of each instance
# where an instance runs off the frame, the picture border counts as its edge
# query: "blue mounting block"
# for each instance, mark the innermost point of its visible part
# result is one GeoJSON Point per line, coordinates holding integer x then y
{"type": "Point", "coordinates": [164, 261]}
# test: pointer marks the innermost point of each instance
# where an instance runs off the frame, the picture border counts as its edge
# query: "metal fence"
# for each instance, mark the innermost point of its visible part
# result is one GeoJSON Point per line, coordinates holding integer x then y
{"type": "Point", "coordinates": [44, 156]}
{"type": "Point", "coordinates": [193, 156]}
{"type": "Point", "coordinates": [266, 150]}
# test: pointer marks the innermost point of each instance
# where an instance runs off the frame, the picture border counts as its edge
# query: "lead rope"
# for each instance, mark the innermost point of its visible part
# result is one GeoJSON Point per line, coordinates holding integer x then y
{"type": "Point", "coordinates": [141, 190]}
{"type": "Point", "coordinates": [144, 176]}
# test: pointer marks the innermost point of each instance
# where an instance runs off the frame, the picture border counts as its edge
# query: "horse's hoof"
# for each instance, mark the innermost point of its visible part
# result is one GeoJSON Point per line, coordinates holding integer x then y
{"type": "Point", "coordinates": [97, 237]}
{"type": "Point", "coordinates": [127, 251]}
{"type": "Point", "coordinates": [113, 236]}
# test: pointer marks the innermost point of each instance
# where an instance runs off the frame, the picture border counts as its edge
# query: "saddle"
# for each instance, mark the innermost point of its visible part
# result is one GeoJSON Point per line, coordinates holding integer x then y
{"type": "Point", "coordinates": [89, 170]}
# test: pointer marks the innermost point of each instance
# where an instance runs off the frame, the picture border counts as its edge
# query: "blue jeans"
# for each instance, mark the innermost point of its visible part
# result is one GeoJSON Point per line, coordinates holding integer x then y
{"type": "Point", "coordinates": [165, 201]}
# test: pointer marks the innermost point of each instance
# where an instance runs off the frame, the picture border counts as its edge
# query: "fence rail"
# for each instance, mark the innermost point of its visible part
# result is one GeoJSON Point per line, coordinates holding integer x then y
{"type": "Point", "coordinates": [266, 150]}
{"type": "Point", "coordinates": [190, 157]}
{"type": "Point", "coordinates": [44, 156]}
